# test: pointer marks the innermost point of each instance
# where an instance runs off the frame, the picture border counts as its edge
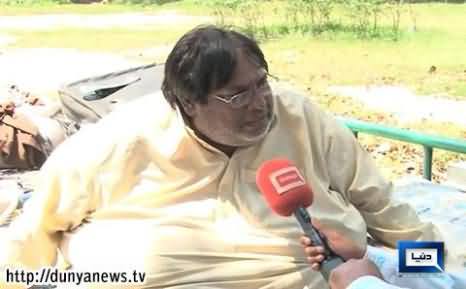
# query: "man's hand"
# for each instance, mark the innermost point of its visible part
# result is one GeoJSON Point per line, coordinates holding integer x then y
{"type": "Point", "coordinates": [342, 276]}
{"type": "Point", "coordinates": [338, 242]}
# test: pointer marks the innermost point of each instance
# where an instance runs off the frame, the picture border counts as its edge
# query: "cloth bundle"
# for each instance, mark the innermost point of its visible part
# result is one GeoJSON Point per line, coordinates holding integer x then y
{"type": "Point", "coordinates": [20, 141]}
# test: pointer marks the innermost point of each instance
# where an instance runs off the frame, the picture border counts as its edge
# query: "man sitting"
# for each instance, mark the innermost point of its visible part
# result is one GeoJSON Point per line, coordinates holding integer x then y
{"type": "Point", "coordinates": [166, 184]}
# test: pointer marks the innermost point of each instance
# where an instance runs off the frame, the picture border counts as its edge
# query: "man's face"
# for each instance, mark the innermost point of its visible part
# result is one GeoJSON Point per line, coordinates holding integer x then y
{"type": "Point", "coordinates": [240, 113]}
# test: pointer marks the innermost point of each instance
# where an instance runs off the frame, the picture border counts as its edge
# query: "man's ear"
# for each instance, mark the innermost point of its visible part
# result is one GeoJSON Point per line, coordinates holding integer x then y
{"type": "Point", "coordinates": [187, 106]}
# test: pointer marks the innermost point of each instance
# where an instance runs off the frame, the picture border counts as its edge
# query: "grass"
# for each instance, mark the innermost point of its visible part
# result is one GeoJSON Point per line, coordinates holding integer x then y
{"type": "Point", "coordinates": [338, 57]}
{"type": "Point", "coordinates": [310, 62]}
{"type": "Point", "coordinates": [340, 61]}
{"type": "Point", "coordinates": [187, 7]}
{"type": "Point", "coordinates": [50, 8]}
{"type": "Point", "coordinates": [326, 61]}
{"type": "Point", "coordinates": [109, 40]}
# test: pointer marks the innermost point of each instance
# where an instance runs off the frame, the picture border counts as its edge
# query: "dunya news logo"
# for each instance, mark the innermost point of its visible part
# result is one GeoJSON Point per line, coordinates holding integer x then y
{"type": "Point", "coordinates": [420, 258]}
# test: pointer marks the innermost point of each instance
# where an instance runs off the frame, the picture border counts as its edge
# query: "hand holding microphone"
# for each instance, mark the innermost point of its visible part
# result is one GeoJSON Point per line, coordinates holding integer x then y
{"type": "Point", "coordinates": [339, 243]}
{"type": "Point", "coordinates": [287, 193]}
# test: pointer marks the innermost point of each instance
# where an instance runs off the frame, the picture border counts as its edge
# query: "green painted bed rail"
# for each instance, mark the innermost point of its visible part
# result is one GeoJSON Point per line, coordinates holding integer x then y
{"type": "Point", "coordinates": [429, 142]}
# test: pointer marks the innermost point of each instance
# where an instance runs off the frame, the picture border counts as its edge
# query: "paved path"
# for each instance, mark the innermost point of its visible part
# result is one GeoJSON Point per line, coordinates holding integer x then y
{"type": "Point", "coordinates": [405, 104]}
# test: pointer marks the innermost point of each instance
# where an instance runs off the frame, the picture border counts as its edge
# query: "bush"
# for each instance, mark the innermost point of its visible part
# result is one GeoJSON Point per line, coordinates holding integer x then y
{"type": "Point", "coordinates": [363, 18]}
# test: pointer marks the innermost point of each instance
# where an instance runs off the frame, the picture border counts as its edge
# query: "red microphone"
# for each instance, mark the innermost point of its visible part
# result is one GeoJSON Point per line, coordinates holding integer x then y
{"type": "Point", "coordinates": [283, 186]}
{"type": "Point", "coordinates": [286, 193]}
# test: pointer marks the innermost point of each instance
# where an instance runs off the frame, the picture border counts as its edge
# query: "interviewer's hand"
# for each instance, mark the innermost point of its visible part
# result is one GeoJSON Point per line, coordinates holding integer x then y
{"type": "Point", "coordinates": [338, 242]}
{"type": "Point", "coordinates": [342, 276]}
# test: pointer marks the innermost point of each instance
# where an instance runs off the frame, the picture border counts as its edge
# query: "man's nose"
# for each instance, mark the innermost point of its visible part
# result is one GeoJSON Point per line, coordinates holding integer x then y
{"type": "Point", "coordinates": [259, 100]}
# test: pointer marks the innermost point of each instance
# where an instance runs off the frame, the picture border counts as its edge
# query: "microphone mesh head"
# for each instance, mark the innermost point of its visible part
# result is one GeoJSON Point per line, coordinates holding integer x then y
{"type": "Point", "coordinates": [283, 186]}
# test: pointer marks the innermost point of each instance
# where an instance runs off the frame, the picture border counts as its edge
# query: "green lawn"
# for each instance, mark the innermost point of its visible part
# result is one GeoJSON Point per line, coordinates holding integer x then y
{"type": "Point", "coordinates": [38, 9]}
{"type": "Point", "coordinates": [50, 8]}
{"type": "Point", "coordinates": [339, 58]}
{"type": "Point", "coordinates": [110, 40]}
{"type": "Point", "coordinates": [310, 62]}
{"type": "Point", "coordinates": [319, 63]}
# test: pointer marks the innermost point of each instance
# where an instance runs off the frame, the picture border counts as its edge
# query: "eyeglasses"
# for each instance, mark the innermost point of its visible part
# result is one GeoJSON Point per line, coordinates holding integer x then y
{"type": "Point", "coordinates": [245, 97]}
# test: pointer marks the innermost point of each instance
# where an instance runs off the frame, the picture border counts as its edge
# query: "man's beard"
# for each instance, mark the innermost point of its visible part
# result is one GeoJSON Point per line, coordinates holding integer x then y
{"type": "Point", "coordinates": [245, 140]}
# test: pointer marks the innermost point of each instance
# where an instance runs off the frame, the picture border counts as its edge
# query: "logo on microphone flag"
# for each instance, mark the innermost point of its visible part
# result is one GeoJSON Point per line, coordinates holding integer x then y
{"type": "Point", "coordinates": [286, 179]}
